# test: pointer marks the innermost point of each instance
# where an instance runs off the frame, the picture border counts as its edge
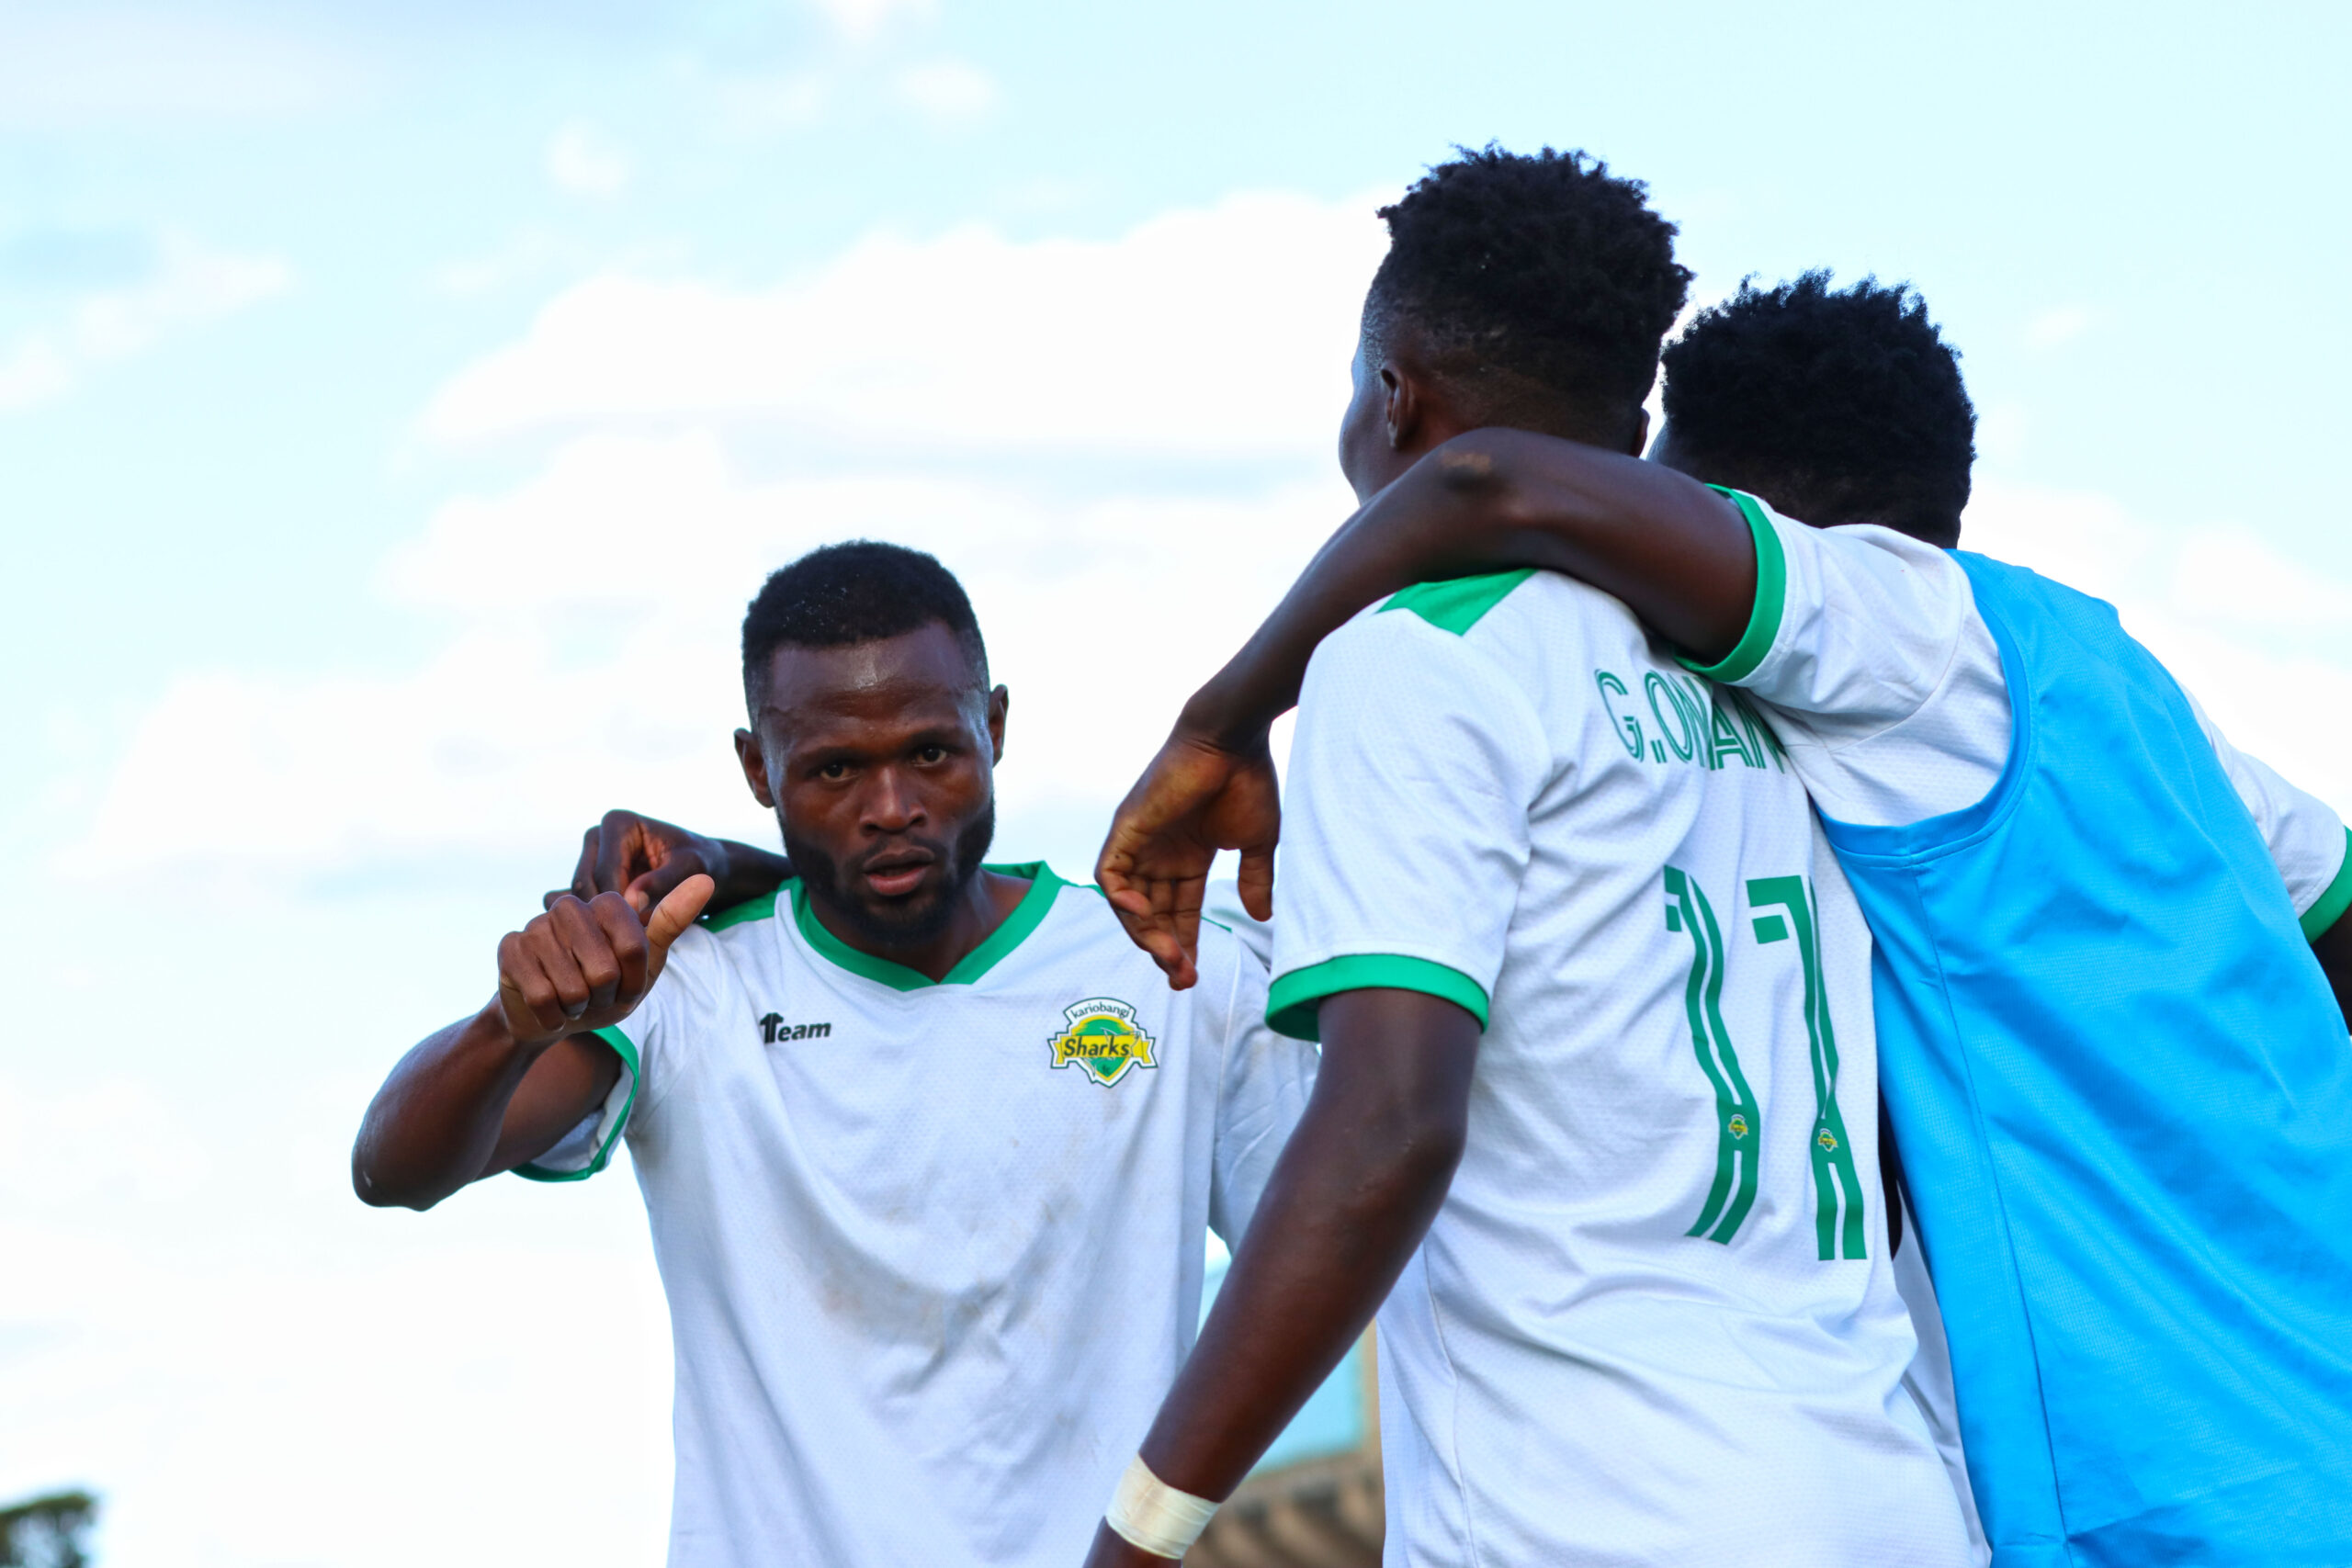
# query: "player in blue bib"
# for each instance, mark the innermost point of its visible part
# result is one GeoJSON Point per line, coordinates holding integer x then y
{"type": "Point", "coordinates": [2121, 1084]}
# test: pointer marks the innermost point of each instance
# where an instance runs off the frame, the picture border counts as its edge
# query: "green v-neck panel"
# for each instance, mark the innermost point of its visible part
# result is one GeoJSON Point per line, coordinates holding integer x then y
{"type": "Point", "coordinates": [1044, 886]}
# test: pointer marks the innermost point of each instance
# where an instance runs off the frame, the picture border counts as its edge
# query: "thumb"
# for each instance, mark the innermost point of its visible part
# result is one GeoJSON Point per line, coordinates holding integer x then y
{"type": "Point", "coordinates": [674, 914]}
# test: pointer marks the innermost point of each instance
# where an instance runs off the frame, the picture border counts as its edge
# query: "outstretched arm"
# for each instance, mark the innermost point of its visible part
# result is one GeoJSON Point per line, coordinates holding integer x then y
{"type": "Point", "coordinates": [1350, 1198]}
{"type": "Point", "coordinates": [491, 1091]}
{"type": "Point", "coordinates": [645, 859]}
{"type": "Point", "coordinates": [1675, 551]}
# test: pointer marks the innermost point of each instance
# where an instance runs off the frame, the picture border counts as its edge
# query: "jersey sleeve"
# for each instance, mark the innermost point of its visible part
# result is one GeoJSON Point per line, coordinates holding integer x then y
{"type": "Point", "coordinates": [2307, 839]}
{"type": "Point", "coordinates": [1262, 1093]}
{"type": "Point", "coordinates": [1404, 834]}
{"type": "Point", "coordinates": [1868, 645]}
{"type": "Point", "coordinates": [640, 1040]}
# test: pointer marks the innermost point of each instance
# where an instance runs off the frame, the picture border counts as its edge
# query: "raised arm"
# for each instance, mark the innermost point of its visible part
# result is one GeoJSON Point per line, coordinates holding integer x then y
{"type": "Point", "coordinates": [1675, 551]}
{"type": "Point", "coordinates": [491, 1091]}
{"type": "Point", "coordinates": [645, 859]}
{"type": "Point", "coordinates": [1350, 1198]}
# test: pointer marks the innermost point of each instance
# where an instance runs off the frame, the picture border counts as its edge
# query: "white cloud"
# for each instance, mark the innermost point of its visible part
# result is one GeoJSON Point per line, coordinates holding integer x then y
{"type": "Point", "coordinates": [948, 91]}
{"type": "Point", "coordinates": [585, 163]}
{"type": "Point", "coordinates": [593, 609]}
{"type": "Point", "coordinates": [189, 283]}
{"type": "Point", "coordinates": [861, 19]}
{"type": "Point", "coordinates": [593, 663]}
{"type": "Point", "coordinates": [2053, 327]}
{"type": "Point", "coordinates": [1223, 333]}
{"type": "Point", "coordinates": [2255, 635]}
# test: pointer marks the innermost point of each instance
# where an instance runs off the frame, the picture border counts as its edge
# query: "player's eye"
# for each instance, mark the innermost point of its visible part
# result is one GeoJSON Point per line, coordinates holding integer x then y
{"type": "Point", "coordinates": [833, 771]}
{"type": "Point", "coordinates": [931, 754]}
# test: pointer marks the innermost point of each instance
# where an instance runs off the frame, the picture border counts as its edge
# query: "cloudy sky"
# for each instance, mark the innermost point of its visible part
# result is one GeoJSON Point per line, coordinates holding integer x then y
{"type": "Point", "coordinates": [399, 402]}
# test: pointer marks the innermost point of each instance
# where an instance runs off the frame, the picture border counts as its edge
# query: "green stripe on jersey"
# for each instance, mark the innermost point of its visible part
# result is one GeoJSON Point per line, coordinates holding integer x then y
{"type": "Point", "coordinates": [2320, 916]}
{"type": "Point", "coordinates": [1458, 603]}
{"type": "Point", "coordinates": [1771, 596]}
{"type": "Point", "coordinates": [1291, 1002]}
{"type": "Point", "coordinates": [1739, 1121]}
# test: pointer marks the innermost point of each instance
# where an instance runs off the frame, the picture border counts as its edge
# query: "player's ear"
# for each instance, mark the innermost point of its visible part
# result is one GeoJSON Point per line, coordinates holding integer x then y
{"type": "Point", "coordinates": [1641, 435]}
{"type": "Point", "coordinates": [749, 753]}
{"type": "Point", "coordinates": [1403, 405]}
{"type": "Point", "coordinates": [999, 701]}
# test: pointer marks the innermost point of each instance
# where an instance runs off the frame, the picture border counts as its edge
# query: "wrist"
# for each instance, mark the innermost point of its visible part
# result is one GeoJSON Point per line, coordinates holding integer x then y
{"type": "Point", "coordinates": [1227, 715]}
{"type": "Point", "coordinates": [493, 1031]}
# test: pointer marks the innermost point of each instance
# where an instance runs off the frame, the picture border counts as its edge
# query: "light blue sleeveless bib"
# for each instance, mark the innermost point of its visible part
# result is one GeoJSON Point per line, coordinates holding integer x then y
{"type": "Point", "coordinates": [2123, 1093]}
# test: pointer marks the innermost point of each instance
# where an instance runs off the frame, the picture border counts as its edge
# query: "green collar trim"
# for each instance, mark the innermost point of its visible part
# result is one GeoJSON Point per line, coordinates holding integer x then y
{"type": "Point", "coordinates": [1771, 595]}
{"type": "Point", "coordinates": [759, 908]}
{"type": "Point", "coordinates": [1456, 604]}
{"type": "Point", "coordinates": [1044, 887]}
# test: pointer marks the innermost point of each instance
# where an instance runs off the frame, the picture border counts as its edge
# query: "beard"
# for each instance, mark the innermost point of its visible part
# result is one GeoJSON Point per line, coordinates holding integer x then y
{"type": "Point", "coordinates": [898, 922]}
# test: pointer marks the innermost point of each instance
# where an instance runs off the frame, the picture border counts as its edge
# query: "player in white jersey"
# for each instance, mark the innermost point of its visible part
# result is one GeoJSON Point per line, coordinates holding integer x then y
{"type": "Point", "coordinates": [1902, 711]}
{"type": "Point", "coordinates": [1598, 1092]}
{"type": "Point", "coordinates": [929, 1149]}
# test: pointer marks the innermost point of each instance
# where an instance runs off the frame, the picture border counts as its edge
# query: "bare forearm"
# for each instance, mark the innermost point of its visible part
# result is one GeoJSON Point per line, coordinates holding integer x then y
{"type": "Point", "coordinates": [1676, 552]}
{"type": "Point", "coordinates": [750, 873]}
{"type": "Point", "coordinates": [1352, 1196]}
{"type": "Point", "coordinates": [435, 1125]}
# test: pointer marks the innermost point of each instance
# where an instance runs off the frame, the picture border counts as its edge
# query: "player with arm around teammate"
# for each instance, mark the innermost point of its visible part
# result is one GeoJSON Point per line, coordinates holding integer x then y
{"type": "Point", "coordinates": [1594, 1131]}
{"type": "Point", "coordinates": [2112, 966]}
{"type": "Point", "coordinates": [927, 1151]}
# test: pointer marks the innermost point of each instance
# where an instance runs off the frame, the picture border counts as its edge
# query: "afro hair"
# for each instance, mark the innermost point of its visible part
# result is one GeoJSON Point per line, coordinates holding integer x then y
{"type": "Point", "coordinates": [859, 591]}
{"type": "Point", "coordinates": [1835, 405]}
{"type": "Point", "coordinates": [1544, 266]}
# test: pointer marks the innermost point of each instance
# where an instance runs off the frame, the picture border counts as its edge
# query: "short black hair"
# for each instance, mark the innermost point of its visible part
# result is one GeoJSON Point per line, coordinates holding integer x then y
{"type": "Point", "coordinates": [1835, 405]}
{"type": "Point", "coordinates": [858, 592]}
{"type": "Point", "coordinates": [1545, 268]}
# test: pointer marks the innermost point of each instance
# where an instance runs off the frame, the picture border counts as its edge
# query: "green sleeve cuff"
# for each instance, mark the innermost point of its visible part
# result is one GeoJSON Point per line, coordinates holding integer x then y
{"type": "Point", "coordinates": [626, 1049]}
{"type": "Point", "coordinates": [1771, 597]}
{"type": "Point", "coordinates": [1292, 1004]}
{"type": "Point", "coordinates": [2322, 916]}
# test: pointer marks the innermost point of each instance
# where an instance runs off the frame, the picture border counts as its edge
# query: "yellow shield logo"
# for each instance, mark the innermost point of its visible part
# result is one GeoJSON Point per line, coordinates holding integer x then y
{"type": "Point", "coordinates": [1100, 1035]}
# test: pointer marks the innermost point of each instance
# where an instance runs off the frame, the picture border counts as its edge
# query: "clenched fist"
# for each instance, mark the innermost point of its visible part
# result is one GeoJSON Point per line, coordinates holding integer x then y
{"type": "Point", "coordinates": [584, 966]}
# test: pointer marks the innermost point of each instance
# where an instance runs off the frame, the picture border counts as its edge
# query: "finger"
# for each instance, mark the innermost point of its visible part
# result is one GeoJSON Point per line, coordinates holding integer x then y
{"type": "Point", "coordinates": [1160, 945]}
{"type": "Point", "coordinates": [675, 913]}
{"type": "Point", "coordinates": [589, 950]}
{"type": "Point", "coordinates": [625, 935]}
{"type": "Point", "coordinates": [583, 873]}
{"type": "Point", "coordinates": [549, 946]}
{"type": "Point", "coordinates": [618, 839]}
{"type": "Point", "coordinates": [650, 887]}
{"type": "Point", "coordinates": [1256, 883]}
{"type": "Point", "coordinates": [533, 1010]}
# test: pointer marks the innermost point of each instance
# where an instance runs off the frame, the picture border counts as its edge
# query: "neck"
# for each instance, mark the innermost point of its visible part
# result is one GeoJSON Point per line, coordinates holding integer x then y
{"type": "Point", "coordinates": [985, 903]}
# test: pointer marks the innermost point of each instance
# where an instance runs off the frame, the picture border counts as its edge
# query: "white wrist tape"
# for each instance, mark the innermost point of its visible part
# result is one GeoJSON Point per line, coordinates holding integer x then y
{"type": "Point", "coordinates": [1149, 1513]}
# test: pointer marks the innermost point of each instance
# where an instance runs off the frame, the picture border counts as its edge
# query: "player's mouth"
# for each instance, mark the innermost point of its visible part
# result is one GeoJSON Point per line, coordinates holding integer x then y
{"type": "Point", "coordinates": [896, 875]}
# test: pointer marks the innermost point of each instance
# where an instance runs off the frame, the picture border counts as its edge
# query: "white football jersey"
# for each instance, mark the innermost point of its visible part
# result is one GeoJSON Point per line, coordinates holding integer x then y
{"type": "Point", "coordinates": [1886, 686]}
{"type": "Point", "coordinates": [933, 1251]}
{"type": "Point", "coordinates": [1654, 1320]}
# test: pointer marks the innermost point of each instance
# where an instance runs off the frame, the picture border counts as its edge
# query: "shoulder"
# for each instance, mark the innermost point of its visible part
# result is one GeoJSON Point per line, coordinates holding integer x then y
{"type": "Point", "coordinates": [1091, 940]}
{"type": "Point", "coordinates": [729, 937]}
